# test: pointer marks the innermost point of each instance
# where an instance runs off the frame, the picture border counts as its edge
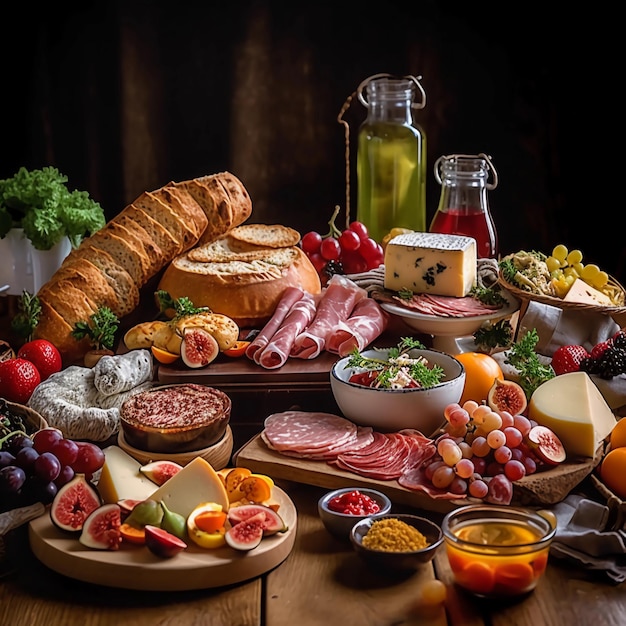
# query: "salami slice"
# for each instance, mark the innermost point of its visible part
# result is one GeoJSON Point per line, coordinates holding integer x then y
{"type": "Point", "coordinates": [290, 296]}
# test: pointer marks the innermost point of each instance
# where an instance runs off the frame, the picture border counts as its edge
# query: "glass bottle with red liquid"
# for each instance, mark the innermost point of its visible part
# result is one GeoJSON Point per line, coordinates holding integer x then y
{"type": "Point", "coordinates": [463, 206]}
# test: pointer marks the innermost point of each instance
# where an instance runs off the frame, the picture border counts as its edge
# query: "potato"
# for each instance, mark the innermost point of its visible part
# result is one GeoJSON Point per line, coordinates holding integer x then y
{"type": "Point", "coordinates": [142, 335]}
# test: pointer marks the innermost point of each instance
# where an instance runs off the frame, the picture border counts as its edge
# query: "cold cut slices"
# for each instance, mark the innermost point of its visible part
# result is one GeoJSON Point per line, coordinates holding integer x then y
{"type": "Point", "coordinates": [337, 302]}
{"type": "Point", "coordinates": [366, 322]}
{"type": "Point", "coordinates": [276, 352]}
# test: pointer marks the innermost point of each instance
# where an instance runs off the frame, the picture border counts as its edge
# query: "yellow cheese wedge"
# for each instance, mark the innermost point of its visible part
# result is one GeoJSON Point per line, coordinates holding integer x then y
{"type": "Point", "coordinates": [197, 482]}
{"type": "Point", "coordinates": [121, 478]}
{"type": "Point", "coordinates": [575, 410]}
{"type": "Point", "coordinates": [583, 293]}
{"type": "Point", "coordinates": [431, 263]}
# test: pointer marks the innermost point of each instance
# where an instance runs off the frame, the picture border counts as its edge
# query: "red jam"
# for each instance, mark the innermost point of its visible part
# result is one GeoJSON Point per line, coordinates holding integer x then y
{"type": "Point", "coordinates": [353, 503]}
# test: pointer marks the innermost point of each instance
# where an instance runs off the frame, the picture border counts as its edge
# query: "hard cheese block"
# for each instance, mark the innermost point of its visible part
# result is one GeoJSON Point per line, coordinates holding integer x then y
{"type": "Point", "coordinates": [433, 263]}
{"type": "Point", "coordinates": [575, 410]}
{"type": "Point", "coordinates": [196, 483]}
{"type": "Point", "coordinates": [121, 478]}
{"type": "Point", "coordinates": [581, 292]}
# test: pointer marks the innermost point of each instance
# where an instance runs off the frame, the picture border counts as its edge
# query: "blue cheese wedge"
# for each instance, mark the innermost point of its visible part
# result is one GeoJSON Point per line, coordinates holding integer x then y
{"type": "Point", "coordinates": [432, 263]}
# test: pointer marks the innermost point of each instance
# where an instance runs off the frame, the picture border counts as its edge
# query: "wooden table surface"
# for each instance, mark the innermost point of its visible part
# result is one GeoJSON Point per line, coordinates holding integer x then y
{"type": "Point", "coordinates": [321, 582]}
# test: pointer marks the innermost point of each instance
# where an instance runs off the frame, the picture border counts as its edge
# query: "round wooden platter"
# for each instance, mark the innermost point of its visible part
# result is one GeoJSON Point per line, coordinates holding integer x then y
{"type": "Point", "coordinates": [135, 567]}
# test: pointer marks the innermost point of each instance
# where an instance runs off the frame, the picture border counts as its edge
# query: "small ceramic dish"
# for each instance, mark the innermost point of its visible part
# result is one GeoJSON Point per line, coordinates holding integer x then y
{"type": "Point", "coordinates": [389, 554]}
{"type": "Point", "coordinates": [340, 523]}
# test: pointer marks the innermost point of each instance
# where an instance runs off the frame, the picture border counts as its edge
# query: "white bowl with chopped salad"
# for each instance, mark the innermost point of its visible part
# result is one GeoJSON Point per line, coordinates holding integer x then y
{"type": "Point", "coordinates": [389, 389]}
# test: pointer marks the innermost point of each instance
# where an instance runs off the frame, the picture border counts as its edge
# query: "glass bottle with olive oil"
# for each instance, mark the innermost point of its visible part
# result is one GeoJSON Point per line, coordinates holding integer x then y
{"type": "Point", "coordinates": [391, 156]}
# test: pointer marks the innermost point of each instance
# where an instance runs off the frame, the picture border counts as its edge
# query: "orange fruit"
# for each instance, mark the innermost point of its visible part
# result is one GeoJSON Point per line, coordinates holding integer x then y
{"type": "Point", "coordinates": [163, 356]}
{"type": "Point", "coordinates": [613, 470]}
{"type": "Point", "coordinates": [480, 371]}
{"type": "Point", "coordinates": [618, 435]}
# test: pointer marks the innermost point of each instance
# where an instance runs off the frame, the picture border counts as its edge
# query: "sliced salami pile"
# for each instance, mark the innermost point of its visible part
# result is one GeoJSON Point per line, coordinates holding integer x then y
{"type": "Point", "coordinates": [316, 436]}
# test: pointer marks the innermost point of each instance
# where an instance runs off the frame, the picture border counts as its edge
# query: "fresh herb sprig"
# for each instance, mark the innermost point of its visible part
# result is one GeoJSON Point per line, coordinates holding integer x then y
{"type": "Point", "coordinates": [491, 296]}
{"type": "Point", "coordinates": [523, 357]}
{"type": "Point", "coordinates": [100, 329]}
{"type": "Point", "coordinates": [494, 335]}
{"type": "Point", "coordinates": [27, 317]}
{"type": "Point", "coordinates": [419, 369]}
{"type": "Point", "coordinates": [181, 306]}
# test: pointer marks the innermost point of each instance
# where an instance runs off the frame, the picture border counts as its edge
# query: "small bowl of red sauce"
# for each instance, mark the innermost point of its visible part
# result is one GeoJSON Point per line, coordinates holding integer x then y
{"type": "Point", "coordinates": [341, 509]}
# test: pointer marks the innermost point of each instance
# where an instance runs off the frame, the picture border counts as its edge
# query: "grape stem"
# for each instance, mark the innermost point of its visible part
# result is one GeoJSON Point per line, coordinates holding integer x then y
{"type": "Point", "coordinates": [11, 434]}
{"type": "Point", "coordinates": [333, 230]}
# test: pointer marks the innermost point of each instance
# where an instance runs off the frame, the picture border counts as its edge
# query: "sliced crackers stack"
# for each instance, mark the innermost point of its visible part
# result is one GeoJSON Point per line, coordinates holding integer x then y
{"type": "Point", "coordinates": [111, 266]}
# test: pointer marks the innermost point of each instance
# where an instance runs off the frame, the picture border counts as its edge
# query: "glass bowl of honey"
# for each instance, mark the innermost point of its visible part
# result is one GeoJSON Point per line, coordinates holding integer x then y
{"type": "Point", "coordinates": [498, 551]}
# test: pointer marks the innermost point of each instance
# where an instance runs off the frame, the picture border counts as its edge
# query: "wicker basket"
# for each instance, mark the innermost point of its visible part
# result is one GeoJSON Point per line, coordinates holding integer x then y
{"type": "Point", "coordinates": [525, 297]}
{"type": "Point", "coordinates": [33, 421]}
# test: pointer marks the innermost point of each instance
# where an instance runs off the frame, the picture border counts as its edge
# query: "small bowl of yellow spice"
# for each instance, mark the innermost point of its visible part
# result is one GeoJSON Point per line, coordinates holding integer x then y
{"type": "Point", "coordinates": [399, 542]}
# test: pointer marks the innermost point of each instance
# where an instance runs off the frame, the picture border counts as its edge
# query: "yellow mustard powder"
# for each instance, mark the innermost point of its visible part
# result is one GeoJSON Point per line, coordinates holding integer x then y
{"type": "Point", "coordinates": [394, 535]}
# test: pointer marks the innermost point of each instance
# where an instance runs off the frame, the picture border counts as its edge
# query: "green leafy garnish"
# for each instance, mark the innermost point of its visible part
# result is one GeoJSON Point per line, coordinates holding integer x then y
{"type": "Point", "coordinates": [490, 336]}
{"type": "Point", "coordinates": [405, 294]}
{"type": "Point", "coordinates": [398, 362]}
{"type": "Point", "coordinates": [491, 296]}
{"type": "Point", "coordinates": [100, 329]}
{"type": "Point", "coordinates": [181, 306]}
{"type": "Point", "coordinates": [27, 317]}
{"type": "Point", "coordinates": [524, 359]}
{"type": "Point", "coordinates": [40, 202]}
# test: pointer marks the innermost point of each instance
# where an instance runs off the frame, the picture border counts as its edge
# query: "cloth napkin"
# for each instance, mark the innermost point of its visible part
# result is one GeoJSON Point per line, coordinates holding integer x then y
{"type": "Point", "coordinates": [584, 536]}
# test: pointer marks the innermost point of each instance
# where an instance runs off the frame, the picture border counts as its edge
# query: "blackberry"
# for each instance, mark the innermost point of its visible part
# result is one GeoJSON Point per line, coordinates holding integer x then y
{"type": "Point", "coordinates": [612, 362]}
{"type": "Point", "coordinates": [333, 267]}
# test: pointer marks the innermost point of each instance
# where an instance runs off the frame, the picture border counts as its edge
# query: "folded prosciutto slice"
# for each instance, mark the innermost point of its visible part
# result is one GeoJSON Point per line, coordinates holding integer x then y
{"type": "Point", "coordinates": [276, 353]}
{"type": "Point", "coordinates": [337, 302]}
{"type": "Point", "coordinates": [366, 322]}
{"type": "Point", "coordinates": [290, 296]}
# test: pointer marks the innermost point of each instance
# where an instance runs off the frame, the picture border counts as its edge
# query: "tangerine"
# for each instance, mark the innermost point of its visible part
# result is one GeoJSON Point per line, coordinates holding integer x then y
{"type": "Point", "coordinates": [481, 370]}
{"type": "Point", "coordinates": [618, 435]}
{"type": "Point", "coordinates": [163, 356]}
{"type": "Point", "coordinates": [613, 470]}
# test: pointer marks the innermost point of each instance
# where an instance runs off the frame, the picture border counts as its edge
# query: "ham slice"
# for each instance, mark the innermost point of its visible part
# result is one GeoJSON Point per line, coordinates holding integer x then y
{"type": "Point", "coordinates": [290, 296]}
{"type": "Point", "coordinates": [366, 322]}
{"type": "Point", "coordinates": [276, 352]}
{"type": "Point", "coordinates": [337, 302]}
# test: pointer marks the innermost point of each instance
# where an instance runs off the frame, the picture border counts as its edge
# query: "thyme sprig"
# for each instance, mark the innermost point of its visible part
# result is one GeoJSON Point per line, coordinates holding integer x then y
{"type": "Point", "coordinates": [100, 329]}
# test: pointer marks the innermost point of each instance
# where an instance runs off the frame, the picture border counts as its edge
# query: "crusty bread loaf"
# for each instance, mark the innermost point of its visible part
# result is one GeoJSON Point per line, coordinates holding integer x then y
{"type": "Point", "coordinates": [186, 206]}
{"type": "Point", "coordinates": [246, 291]}
{"type": "Point", "coordinates": [224, 199]}
{"type": "Point", "coordinates": [268, 235]}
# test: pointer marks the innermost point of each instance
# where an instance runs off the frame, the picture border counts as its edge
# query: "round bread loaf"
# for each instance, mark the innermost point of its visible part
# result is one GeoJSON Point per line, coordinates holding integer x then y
{"type": "Point", "coordinates": [246, 291]}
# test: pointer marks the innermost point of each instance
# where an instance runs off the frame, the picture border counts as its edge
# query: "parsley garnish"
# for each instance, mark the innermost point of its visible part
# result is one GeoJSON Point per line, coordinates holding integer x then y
{"type": "Point", "coordinates": [181, 306]}
{"type": "Point", "coordinates": [388, 369]}
{"type": "Point", "coordinates": [490, 336]}
{"type": "Point", "coordinates": [524, 359]}
{"type": "Point", "coordinates": [100, 329]}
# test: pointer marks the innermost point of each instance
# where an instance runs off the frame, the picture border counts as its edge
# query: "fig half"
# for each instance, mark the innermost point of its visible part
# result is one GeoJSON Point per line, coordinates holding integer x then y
{"type": "Point", "coordinates": [198, 348]}
{"type": "Point", "coordinates": [507, 395]}
{"type": "Point", "coordinates": [546, 445]}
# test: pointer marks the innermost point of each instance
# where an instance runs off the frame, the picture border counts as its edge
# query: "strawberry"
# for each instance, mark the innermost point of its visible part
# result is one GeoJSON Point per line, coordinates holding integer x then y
{"type": "Point", "coordinates": [18, 379]}
{"type": "Point", "coordinates": [600, 348]}
{"type": "Point", "coordinates": [43, 354]}
{"type": "Point", "coordinates": [568, 358]}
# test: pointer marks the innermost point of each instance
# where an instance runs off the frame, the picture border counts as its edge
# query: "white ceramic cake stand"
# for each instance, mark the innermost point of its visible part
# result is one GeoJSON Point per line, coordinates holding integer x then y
{"type": "Point", "coordinates": [450, 334]}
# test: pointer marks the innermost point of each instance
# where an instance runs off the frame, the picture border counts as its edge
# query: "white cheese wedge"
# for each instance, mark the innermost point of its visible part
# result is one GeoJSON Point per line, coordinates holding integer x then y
{"type": "Point", "coordinates": [433, 263]}
{"type": "Point", "coordinates": [196, 483]}
{"type": "Point", "coordinates": [575, 410]}
{"type": "Point", "coordinates": [121, 478]}
{"type": "Point", "coordinates": [583, 293]}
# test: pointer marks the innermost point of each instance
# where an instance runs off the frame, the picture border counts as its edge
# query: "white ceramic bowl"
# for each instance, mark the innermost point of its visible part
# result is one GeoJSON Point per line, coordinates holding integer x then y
{"type": "Point", "coordinates": [389, 410]}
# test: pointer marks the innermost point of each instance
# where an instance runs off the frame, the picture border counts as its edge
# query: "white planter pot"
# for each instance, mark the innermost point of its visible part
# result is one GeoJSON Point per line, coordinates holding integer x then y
{"type": "Point", "coordinates": [24, 268]}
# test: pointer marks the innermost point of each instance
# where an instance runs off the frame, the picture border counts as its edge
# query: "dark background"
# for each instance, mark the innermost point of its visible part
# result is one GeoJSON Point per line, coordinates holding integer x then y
{"type": "Point", "coordinates": [123, 97]}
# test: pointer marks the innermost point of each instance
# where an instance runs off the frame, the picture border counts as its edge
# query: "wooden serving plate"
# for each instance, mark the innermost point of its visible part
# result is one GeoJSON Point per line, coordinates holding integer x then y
{"type": "Point", "coordinates": [543, 488]}
{"type": "Point", "coordinates": [135, 567]}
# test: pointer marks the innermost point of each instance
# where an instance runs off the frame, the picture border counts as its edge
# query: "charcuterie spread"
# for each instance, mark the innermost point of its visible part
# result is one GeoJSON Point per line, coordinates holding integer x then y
{"type": "Point", "coordinates": [228, 288]}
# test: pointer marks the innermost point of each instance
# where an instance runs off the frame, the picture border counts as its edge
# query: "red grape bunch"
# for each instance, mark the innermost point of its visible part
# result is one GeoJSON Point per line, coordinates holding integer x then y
{"type": "Point", "coordinates": [33, 468]}
{"type": "Point", "coordinates": [350, 251]}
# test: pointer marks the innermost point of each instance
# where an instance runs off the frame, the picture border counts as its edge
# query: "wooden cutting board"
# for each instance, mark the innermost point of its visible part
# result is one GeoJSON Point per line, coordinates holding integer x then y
{"type": "Point", "coordinates": [540, 489]}
{"type": "Point", "coordinates": [135, 567]}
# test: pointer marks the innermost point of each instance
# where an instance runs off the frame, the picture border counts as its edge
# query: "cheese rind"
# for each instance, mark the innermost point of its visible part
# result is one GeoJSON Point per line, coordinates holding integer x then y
{"type": "Point", "coordinates": [431, 263]}
{"type": "Point", "coordinates": [197, 482]}
{"type": "Point", "coordinates": [120, 478]}
{"type": "Point", "coordinates": [574, 409]}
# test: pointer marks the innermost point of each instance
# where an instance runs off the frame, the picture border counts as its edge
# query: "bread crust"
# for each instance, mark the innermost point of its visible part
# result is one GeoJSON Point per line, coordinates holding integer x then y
{"type": "Point", "coordinates": [249, 298]}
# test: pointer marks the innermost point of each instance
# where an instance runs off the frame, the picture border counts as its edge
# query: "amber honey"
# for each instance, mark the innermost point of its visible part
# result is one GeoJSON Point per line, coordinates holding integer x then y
{"type": "Point", "coordinates": [497, 551]}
